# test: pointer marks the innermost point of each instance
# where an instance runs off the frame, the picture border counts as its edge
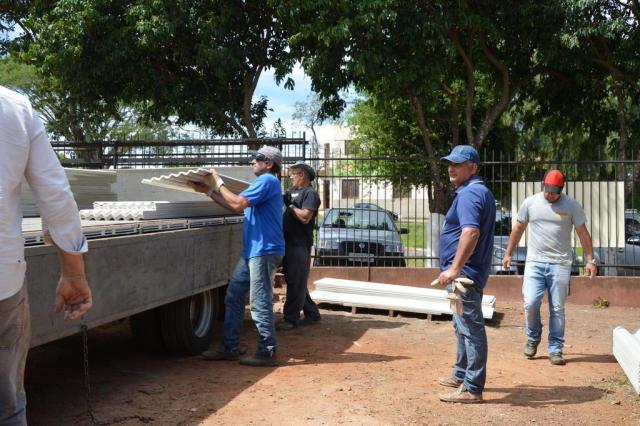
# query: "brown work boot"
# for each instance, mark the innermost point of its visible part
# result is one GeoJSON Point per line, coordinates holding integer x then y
{"type": "Point", "coordinates": [222, 353]}
{"type": "Point", "coordinates": [261, 360]}
{"type": "Point", "coordinates": [449, 382]}
{"type": "Point", "coordinates": [556, 358]}
{"type": "Point", "coordinates": [462, 396]}
{"type": "Point", "coordinates": [531, 348]}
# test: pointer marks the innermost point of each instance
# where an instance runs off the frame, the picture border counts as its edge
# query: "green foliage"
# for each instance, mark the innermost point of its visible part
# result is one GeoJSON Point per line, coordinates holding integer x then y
{"type": "Point", "coordinates": [195, 62]}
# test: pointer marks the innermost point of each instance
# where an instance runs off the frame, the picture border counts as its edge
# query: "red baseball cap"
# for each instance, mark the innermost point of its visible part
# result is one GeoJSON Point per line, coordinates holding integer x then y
{"type": "Point", "coordinates": [553, 181]}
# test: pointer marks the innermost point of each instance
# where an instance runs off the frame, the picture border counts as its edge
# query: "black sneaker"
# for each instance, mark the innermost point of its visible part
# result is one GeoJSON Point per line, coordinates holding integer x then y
{"type": "Point", "coordinates": [531, 348]}
{"type": "Point", "coordinates": [285, 326]}
{"type": "Point", "coordinates": [222, 353]}
{"type": "Point", "coordinates": [261, 360]}
{"type": "Point", "coordinates": [556, 358]}
{"type": "Point", "coordinates": [309, 320]}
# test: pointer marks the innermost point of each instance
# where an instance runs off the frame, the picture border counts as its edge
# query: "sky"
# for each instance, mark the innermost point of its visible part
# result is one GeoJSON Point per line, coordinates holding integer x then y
{"type": "Point", "coordinates": [281, 100]}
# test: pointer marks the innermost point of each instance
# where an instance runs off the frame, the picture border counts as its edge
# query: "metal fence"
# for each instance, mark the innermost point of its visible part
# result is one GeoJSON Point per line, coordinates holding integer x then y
{"type": "Point", "coordinates": [371, 214]}
{"type": "Point", "coordinates": [115, 154]}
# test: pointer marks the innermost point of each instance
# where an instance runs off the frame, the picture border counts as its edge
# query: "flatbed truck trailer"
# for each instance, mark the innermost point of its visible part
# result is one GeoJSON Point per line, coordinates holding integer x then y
{"type": "Point", "coordinates": [167, 276]}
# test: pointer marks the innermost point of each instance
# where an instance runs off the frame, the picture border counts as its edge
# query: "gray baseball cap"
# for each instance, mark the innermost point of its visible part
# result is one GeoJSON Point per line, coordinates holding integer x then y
{"type": "Point", "coordinates": [307, 169]}
{"type": "Point", "coordinates": [269, 153]}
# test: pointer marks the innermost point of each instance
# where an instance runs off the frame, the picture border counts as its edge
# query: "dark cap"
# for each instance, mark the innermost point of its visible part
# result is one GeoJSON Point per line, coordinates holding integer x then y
{"type": "Point", "coordinates": [461, 153]}
{"type": "Point", "coordinates": [270, 153]}
{"type": "Point", "coordinates": [307, 169]}
{"type": "Point", "coordinates": [553, 181]}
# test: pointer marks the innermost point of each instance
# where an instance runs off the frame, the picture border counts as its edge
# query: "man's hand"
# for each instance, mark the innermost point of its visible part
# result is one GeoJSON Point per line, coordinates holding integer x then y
{"type": "Point", "coordinates": [506, 262]}
{"type": "Point", "coordinates": [591, 270]}
{"type": "Point", "coordinates": [447, 276]}
{"type": "Point", "coordinates": [73, 295]}
{"type": "Point", "coordinates": [199, 187]}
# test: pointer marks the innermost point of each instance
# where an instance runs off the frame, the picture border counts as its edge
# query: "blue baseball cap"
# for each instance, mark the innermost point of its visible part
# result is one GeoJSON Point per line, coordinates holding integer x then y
{"type": "Point", "coordinates": [461, 153]}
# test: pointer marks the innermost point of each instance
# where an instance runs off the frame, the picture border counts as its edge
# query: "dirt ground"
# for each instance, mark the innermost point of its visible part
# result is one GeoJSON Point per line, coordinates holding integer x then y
{"type": "Point", "coordinates": [364, 368]}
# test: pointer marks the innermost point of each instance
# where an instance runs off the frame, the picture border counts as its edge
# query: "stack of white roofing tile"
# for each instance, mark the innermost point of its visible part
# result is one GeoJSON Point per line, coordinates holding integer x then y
{"type": "Point", "coordinates": [147, 210]}
{"type": "Point", "coordinates": [389, 296]}
{"type": "Point", "coordinates": [180, 180]}
{"type": "Point", "coordinates": [86, 185]}
{"type": "Point", "coordinates": [626, 349]}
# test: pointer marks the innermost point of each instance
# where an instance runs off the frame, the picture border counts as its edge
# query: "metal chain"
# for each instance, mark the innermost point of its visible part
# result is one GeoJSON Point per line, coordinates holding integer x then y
{"type": "Point", "coordinates": [87, 382]}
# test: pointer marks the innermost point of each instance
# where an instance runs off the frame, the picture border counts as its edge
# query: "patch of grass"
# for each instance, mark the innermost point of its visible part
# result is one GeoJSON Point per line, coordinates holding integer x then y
{"type": "Point", "coordinates": [416, 238]}
{"type": "Point", "coordinates": [600, 302]}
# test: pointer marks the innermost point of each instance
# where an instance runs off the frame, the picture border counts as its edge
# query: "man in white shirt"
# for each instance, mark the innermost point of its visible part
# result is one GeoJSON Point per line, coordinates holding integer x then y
{"type": "Point", "coordinates": [25, 151]}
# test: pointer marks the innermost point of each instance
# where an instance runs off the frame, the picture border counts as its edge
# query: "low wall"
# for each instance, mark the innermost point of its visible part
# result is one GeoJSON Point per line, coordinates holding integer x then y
{"type": "Point", "coordinates": [619, 291]}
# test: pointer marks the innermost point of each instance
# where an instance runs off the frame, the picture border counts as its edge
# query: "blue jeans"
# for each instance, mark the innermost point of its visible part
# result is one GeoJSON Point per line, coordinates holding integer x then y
{"type": "Point", "coordinates": [256, 277]}
{"type": "Point", "coordinates": [471, 359]}
{"type": "Point", "coordinates": [15, 336]}
{"type": "Point", "coordinates": [554, 278]}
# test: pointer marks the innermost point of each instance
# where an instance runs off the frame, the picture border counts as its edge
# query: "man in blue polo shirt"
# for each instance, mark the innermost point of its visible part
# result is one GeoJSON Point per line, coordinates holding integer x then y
{"type": "Point", "coordinates": [262, 252]}
{"type": "Point", "coordinates": [466, 245]}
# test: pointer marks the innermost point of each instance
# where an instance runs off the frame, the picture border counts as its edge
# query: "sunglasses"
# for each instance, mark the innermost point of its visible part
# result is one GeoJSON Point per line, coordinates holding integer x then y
{"type": "Point", "coordinates": [261, 157]}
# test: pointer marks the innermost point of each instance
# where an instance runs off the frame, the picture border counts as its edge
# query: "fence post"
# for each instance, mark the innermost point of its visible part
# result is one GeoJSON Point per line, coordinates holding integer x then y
{"type": "Point", "coordinates": [115, 154]}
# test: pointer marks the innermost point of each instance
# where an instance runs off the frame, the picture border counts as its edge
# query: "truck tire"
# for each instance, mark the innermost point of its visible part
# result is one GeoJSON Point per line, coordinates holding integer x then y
{"type": "Point", "coordinates": [187, 325]}
{"type": "Point", "coordinates": [145, 327]}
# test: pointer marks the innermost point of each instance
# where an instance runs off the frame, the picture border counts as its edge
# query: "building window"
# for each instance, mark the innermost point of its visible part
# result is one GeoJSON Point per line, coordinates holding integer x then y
{"type": "Point", "coordinates": [350, 188]}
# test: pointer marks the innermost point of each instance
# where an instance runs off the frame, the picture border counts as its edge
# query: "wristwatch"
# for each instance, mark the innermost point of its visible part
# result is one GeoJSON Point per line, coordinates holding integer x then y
{"type": "Point", "coordinates": [592, 261]}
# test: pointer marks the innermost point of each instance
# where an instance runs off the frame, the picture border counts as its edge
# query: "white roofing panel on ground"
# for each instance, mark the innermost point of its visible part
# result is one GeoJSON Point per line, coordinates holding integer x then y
{"type": "Point", "coordinates": [389, 296]}
{"type": "Point", "coordinates": [626, 349]}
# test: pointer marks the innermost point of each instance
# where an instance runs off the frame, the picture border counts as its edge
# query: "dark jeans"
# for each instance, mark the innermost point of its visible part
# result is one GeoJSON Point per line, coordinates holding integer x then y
{"type": "Point", "coordinates": [15, 335]}
{"type": "Point", "coordinates": [297, 261]}
{"type": "Point", "coordinates": [471, 359]}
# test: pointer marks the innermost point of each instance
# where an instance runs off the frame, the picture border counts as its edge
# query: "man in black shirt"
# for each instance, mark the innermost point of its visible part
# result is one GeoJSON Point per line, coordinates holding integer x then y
{"type": "Point", "coordinates": [302, 203]}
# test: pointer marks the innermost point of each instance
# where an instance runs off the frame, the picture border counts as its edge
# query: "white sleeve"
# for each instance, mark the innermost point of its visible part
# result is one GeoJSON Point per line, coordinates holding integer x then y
{"type": "Point", "coordinates": [52, 192]}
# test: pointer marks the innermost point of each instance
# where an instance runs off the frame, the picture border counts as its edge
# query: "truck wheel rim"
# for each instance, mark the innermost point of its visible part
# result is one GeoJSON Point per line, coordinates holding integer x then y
{"type": "Point", "coordinates": [201, 313]}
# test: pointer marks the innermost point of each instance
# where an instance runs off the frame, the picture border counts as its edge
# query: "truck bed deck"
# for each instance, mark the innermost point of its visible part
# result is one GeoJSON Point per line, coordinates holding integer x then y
{"type": "Point", "coordinates": [92, 229]}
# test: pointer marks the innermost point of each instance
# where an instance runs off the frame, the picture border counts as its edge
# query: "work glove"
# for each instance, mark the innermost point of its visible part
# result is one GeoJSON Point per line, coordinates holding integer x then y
{"type": "Point", "coordinates": [216, 182]}
{"type": "Point", "coordinates": [286, 198]}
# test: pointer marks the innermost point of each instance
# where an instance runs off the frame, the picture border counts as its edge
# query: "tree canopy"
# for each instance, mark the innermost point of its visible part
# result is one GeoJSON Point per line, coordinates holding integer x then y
{"type": "Point", "coordinates": [198, 62]}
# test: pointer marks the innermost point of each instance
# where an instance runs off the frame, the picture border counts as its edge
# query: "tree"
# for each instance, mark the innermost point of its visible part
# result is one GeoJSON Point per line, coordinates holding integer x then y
{"type": "Point", "coordinates": [197, 61]}
{"type": "Point", "coordinates": [459, 66]}
{"type": "Point", "coordinates": [606, 33]}
{"type": "Point", "coordinates": [309, 114]}
{"type": "Point", "coordinates": [65, 119]}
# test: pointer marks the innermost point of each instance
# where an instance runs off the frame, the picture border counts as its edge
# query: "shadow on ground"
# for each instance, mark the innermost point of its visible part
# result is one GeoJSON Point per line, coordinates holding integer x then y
{"type": "Point", "coordinates": [125, 375]}
{"type": "Point", "coordinates": [545, 396]}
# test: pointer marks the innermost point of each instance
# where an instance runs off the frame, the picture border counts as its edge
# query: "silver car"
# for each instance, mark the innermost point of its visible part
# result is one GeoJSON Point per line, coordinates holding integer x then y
{"type": "Point", "coordinates": [359, 237]}
{"type": "Point", "coordinates": [624, 261]}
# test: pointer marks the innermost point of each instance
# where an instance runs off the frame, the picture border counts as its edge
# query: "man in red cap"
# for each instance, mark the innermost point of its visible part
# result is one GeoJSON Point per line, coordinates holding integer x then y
{"type": "Point", "coordinates": [552, 216]}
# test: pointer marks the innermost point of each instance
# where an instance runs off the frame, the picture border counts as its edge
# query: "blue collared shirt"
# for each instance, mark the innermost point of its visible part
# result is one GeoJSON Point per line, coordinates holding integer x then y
{"type": "Point", "coordinates": [473, 207]}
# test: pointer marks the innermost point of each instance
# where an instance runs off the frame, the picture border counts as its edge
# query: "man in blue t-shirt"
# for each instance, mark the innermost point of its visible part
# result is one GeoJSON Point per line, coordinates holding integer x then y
{"type": "Point", "coordinates": [466, 245]}
{"type": "Point", "coordinates": [262, 252]}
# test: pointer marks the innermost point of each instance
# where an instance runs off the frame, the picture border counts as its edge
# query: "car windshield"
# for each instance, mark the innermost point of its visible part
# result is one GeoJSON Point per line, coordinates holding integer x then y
{"type": "Point", "coordinates": [358, 219]}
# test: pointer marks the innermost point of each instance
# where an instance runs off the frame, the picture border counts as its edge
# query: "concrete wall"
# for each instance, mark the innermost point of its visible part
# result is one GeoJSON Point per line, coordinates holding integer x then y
{"type": "Point", "coordinates": [131, 274]}
{"type": "Point", "coordinates": [619, 291]}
